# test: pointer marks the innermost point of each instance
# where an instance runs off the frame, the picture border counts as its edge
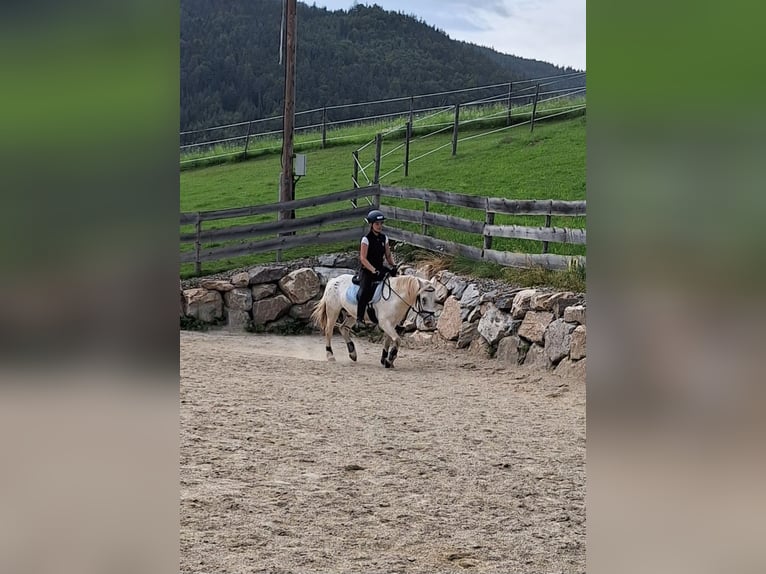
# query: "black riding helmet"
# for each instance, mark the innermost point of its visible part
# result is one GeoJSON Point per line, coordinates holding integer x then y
{"type": "Point", "coordinates": [374, 215]}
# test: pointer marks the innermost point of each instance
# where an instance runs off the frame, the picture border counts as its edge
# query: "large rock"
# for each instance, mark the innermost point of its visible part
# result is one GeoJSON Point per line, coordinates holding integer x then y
{"type": "Point", "coordinates": [214, 285]}
{"type": "Point", "coordinates": [263, 291]}
{"type": "Point", "coordinates": [300, 285]}
{"type": "Point", "coordinates": [347, 261]}
{"type": "Point", "coordinates": [495, 324]}
{"type": "Point", "coordinates": [267, 274]}
{"type": "Point", "coordinates": [577, 344]}
{"type": "Point", "coordinates": [449, 321]}
{"type": "Point", "coordinates": [522, 303]}
{"type": "Point", "coordinates": [470, 297]}
{"type": "Point", "coordinates": [557, 340]}
{"type": "Point", "coordinates": [203, 304]}
{"type": "Point", "coordinates": [554, 302]}
{"type": "Point", "coordinates": [480, 347]}
{"type": "Point", "coordinates": [270, 309]}
{"type": "Point", "coordinates": [575, 314]}
{"type": "Point", "coordinates": [327, 260]}
{"type": "Point", "coordinates": [441, 291]}
{"type": "Point", "coordinates": [239, 299]}
{"type": "Point", "coordinates": [237, 319]}
{"type": "Point", "coordinates": [536, 357]}
{"type": "Point", "coordinates": [534, 325]}
{"type": "Point", "coordinates": [302, 311]}
{"type": "Point", "coordinates": [510, 350]}
{"type": "Point", "coordinates": [561, 304]}
{"type": "Point", "coordinates": [468, 332]}
{"type": "Point", "coordinates": [241, 279]}
{"type": "Point", "coordinates": [456, 286]}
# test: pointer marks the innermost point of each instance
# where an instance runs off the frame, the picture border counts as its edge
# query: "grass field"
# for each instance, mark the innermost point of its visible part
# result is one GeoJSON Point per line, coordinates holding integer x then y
{"type": "Point", "coordinates": [548, 163]}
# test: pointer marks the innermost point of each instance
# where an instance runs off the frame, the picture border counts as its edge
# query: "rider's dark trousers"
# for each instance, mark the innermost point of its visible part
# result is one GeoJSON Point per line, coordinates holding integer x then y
{"type": "Point", "coordinates": [365, 293]}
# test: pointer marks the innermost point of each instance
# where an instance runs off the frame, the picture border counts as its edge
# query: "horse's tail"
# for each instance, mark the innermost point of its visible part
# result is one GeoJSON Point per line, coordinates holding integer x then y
{"type": "Point", "coordinates": [319, 315]}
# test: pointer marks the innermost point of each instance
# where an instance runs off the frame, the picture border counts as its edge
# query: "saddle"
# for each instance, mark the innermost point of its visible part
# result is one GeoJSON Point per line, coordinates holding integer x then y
{"type": "Point", "coordinates": [352, 293]}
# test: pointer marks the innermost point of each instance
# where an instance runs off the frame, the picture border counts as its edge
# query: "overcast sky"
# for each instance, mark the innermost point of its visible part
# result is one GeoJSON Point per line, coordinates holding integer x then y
{"type": "Point", "coordinates": [549, 30]}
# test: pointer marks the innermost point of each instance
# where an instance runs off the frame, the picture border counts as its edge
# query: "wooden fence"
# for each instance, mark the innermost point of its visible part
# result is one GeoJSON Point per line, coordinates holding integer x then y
{"type": "Point", "coordinates": [322, 228]}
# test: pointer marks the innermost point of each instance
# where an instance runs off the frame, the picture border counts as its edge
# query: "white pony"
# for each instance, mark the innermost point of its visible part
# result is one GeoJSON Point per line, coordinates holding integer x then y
{"type": "Point", "coordinates": [393, 298]}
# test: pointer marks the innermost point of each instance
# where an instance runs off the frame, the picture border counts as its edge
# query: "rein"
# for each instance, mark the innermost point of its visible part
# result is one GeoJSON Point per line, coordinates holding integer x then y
{"type": "Point", "coordinates": [420, 311]}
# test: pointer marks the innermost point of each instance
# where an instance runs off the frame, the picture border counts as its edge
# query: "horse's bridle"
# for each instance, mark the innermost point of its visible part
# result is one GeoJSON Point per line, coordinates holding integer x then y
{"type": "Point", "coordinates": [419, 311]}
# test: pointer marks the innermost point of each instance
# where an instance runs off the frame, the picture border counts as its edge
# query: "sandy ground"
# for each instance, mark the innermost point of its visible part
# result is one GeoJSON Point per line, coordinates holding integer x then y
{"type": "Point", "coordinates": [447, 463]}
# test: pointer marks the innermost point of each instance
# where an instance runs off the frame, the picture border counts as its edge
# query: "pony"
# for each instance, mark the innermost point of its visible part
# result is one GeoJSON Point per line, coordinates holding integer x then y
{"type": "Point", "coordinates": [393, 298]}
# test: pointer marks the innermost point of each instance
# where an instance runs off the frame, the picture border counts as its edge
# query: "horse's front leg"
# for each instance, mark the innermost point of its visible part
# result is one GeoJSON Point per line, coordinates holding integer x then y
{"type": "Point", "coordinates": [391, 344]}
{"type": "Point", "coordinates": [386, 345]}
{"type": "Point", "coordinates": [345, 331]}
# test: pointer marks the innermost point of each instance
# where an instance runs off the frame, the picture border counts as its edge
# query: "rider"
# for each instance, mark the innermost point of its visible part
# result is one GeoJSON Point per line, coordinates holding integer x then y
{"type": "Point", "coordinates": [372, 251]}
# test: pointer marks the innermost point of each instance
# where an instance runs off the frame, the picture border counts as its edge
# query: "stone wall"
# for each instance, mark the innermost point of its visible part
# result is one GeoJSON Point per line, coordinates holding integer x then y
{"type": "Point", "coordinates": [533, 327]}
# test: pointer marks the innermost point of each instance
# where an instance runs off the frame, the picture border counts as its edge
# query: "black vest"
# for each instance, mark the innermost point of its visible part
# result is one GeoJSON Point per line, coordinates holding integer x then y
{"type": "Point", "coordinates": [376, 250]}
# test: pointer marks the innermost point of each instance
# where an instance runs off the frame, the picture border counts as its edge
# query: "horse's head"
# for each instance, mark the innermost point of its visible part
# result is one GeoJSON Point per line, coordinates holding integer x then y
{"type": "Point", "coordinates": [425, 304]}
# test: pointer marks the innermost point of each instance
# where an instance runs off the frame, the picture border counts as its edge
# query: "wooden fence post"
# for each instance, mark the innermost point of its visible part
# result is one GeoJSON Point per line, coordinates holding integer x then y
{"type": "Point", "coordinates": [412, 108]}
{"type": "Point", "coordinates": [508, 119]}
{"type": "Point", "coordinates": [547, 224]}
{"type": "Point", "coordinates": [534, 109]}
{"type": "Point", "coordinates": [247, 139]}
{"type": "Point", "coordinates": [355, 177]}
{"type": "Point", "coordinates": [198, 245]}
{"type": "Point", "coordinates": [489, 219]}
{"type": "Point", "coordinates": [424, 227]}
{"type": "Point", "coordinates": [454, 129]}
{"type": "Point", "coordinates": [407, 130]}
{"type": "Point", "coordinates": [324, 127]}
{"type": "Point", "coordinates": [378, 148]}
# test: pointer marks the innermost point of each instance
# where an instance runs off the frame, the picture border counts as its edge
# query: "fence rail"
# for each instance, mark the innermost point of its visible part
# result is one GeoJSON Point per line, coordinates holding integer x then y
{"type": "Point", "coordinates": [240, 138]}
{"type": "Point", "coordinates": [322, 228]}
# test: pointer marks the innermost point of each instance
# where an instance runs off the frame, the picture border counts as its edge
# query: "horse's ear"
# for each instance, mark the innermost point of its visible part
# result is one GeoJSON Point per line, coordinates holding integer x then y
{"type": "Point", "coordinates": [424, 283]}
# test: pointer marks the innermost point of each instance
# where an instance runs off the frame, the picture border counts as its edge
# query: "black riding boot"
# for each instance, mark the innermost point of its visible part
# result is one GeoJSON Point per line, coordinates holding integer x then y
{"type": "Point", "coordinates": [365, 294]}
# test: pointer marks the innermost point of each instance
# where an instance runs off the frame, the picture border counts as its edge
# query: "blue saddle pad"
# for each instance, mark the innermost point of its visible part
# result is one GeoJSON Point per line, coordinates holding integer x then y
{"type": "Point", "coordinates": [352, 294]}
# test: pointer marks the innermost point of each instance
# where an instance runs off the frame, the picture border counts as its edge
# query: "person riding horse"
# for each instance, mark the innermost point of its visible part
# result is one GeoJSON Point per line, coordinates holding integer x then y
{"type": "Point", "coordinates": [373, 250]}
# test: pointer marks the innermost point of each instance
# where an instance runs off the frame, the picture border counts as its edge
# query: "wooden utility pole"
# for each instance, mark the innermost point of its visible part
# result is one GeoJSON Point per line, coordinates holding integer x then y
{"type": "Point", "coordinates": [286, 190]}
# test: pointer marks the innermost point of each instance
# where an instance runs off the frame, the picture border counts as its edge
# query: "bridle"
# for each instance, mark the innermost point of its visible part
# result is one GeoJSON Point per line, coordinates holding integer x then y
{"type": "Point", "coordinates": [418, 310]}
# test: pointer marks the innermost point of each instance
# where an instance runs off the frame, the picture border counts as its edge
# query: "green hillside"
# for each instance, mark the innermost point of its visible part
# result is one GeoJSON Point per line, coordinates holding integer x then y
{"type": "Point", "coordinates": [548, 163]}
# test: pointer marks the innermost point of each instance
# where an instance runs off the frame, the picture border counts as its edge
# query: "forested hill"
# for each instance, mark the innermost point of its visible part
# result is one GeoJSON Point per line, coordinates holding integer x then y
{"type": "Point", "coordinates": [230, 68]}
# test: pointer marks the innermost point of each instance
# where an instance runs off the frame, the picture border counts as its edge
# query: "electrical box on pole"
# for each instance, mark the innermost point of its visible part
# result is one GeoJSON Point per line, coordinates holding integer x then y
{"type": "Point", "coordinates": [299, 166]}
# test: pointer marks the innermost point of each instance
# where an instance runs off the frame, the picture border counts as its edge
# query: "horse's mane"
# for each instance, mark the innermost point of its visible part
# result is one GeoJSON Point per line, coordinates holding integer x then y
{"type": "Point", "coordinates": [408, 287]}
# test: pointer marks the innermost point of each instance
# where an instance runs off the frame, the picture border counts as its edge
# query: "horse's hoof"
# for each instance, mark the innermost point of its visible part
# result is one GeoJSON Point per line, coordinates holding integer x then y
{"type": "Point", "coordinates": [388, 365]}
{"type": "Point", "coordinates": [353, 357]}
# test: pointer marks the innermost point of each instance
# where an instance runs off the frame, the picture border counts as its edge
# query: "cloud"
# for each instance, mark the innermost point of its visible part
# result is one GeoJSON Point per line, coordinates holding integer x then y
{"type": "Point", "coordinates": [548, 30]}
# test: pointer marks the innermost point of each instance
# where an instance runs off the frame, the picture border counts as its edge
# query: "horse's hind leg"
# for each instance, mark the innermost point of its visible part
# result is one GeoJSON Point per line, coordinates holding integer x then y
{"type": "Point", "coordinates": [328, 330]}
{"type": "Point", "coordinates": [345, 331]}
